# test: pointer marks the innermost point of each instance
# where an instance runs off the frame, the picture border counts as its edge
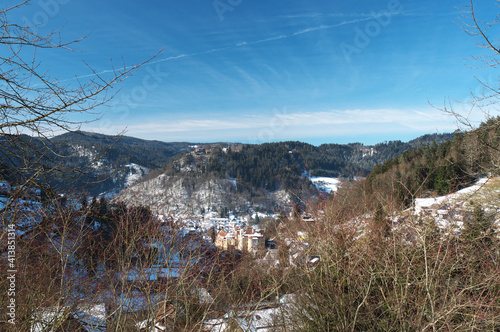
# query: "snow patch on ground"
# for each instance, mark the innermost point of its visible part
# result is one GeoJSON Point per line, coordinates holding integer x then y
{"type": "Point", "coordinates": [233, 182]}
{"type": "Point", "coordinates": [91, 155]}
{"type": "Point", "coordinates": [81, 151]}
{"type": "Point", "coordinates": [326, 184]}
{"type": "Point", "coordinates": [175, 196]}
{"type": "Point", "coordinates": [426, 203]}
{"type": "Point", "coordinates": [134, 173]}
{"type": "Point", "coordinates": [282, 196]}
{"type": "Point", "coordinates": [448, 212]}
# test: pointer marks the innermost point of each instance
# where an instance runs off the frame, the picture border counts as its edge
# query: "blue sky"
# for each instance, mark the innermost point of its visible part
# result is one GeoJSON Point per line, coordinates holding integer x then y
{"type": "Point", "coordinates": [258, 71]}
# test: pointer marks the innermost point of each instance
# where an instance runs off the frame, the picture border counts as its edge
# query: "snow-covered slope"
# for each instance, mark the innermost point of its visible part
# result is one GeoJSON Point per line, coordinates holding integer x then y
{"type": "Point", "coordinates": [449, 211]}
{"type": "Point", "coordinates": [421, 204]}
{"type": "Point", "coordinates": [326, 184]}
{"type": "Point", "coordinates": [180, 196]}
{"type": "Point", "coordinates": [134, 173]}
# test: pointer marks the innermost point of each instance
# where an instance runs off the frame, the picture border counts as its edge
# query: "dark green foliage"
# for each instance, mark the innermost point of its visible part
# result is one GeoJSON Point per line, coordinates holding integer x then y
{"type": "Point", "coordinates": [67, 162]}
{"type": "Point", "coordinates": [418, 172]}
{"type": "Point", "coordinates": [268, 166]}
{"type": "Point", "coordinates": [123, 149]}
{"type": "Point", "coordinates": [272, 166]}
{"type": "Point", "coordinates": [223, 212]}
{"type": "Point", "coordinates": [477, 224]}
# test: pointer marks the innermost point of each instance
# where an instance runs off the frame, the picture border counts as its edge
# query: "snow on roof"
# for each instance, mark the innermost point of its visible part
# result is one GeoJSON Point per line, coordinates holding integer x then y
{"type": "Point", "coordinates": [259, 320]}
{"type": "Point", "coordinates": [266, 319]}
{"type": "Point", "coordinates": [219, 220]}
{"type": "Point", "coordinates": [216, 325]}
{"type": "Point", "coordinates": [46, 317]}
{"type": "Point", "coordinates": [136, 301]}
{"type": "Point", "coordinates": [92, 317]}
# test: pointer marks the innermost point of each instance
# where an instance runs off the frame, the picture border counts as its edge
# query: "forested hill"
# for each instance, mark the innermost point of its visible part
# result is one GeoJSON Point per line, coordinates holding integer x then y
{"type": "Point", "coordinates": [356, 159]}
{"type": "Point", "coordinates": [83, 162]}
{"type": "Point", "coordinates": [109, 163]}
{"type": "Point", "coordinates": [101, 163]}
{"type": "Point", "coordinates": [275, 166]}
{"type": "Point", "coordinates": [437, 169]}
{"type": "Point", "coordinates": [121, 149]}
{"type": "Point", "coordinates": [261, 165]}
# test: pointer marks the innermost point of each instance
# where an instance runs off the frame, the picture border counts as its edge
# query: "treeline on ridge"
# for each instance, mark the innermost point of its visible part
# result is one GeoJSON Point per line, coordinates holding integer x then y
{"type": "Point", "coordinates": [286, 165]}
{"type": "Point", "coordinates": [438, 169]}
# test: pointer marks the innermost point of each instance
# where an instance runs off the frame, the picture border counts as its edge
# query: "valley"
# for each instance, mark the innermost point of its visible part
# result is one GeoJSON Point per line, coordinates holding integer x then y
{"type": "Point", "coordinates": [233, 166]}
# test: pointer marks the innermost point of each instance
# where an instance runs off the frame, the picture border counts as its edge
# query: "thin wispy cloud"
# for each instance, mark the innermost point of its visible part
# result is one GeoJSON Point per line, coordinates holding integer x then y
{"type": "Point", "coordinates": [189, 126]}
{"type": "Point", "coordinates": [294, 119]}
{"type": "Point", "coordinates": [303, 31]}
{"type": "Point", "coordinates": [371, 14]}
{"type": "Point", "coordinates": [316, 15]}
{"type": "Point", "coordinates": [237, 45]}
{"type": "Point", "coordinates": [282, 125]}
{"type": "Point", "coordinates": [344, 68]}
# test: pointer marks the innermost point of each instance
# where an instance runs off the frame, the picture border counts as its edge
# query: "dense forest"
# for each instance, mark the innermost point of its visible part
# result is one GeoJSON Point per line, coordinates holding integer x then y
{"type": "Point", "coordinates": [122, 149]}
{"type": "Point", "coordinates": [287, 165]}
{"type": "Point", "coordinates": [96, 163]}
{"type": "Point", "coordinates": [438, 169]}
{"type": "Point", "coordinates": [80, 161]}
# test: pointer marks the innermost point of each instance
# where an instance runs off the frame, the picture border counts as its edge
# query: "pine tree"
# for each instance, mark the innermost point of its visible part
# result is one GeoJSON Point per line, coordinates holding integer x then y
{"type": "Point", "coordinates": [257, 219]}
{"type": "Point", "coordinates": [83, 203]}
{"type": "Point", "coordinates": [476, 225]}
{"type": "Point", "coordinates": [380, 222]}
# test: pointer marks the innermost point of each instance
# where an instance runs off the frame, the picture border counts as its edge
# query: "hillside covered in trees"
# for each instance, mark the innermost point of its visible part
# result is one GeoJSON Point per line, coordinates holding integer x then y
{"type": "Point", "coordinates": [96, 163]}
{"type": "Point", "coordinates": [437, 169]}
{"type": "Point", "coordinates": [82, 162]}
{"type": "Point", "coordinates": [282, 165]}
{"type": "Point", "coordinates": [266, 177]}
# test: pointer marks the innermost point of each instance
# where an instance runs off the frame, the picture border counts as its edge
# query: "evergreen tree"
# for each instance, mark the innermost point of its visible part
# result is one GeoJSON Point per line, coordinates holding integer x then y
{"type": "Point", "coordinates": [380, 223]}
{"type": "Point", "coordinates": [477, 225]}
{"type": "Point", "coordinates": [83, 203]}
{"type": "Point", "coordinates": [441, 182]}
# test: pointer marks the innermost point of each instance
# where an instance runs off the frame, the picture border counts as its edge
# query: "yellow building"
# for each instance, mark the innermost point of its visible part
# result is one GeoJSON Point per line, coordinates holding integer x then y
{"type": "Point", "coordinates": [225, 241]}
{"type": "Point", "coordinates": [245, 240]}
